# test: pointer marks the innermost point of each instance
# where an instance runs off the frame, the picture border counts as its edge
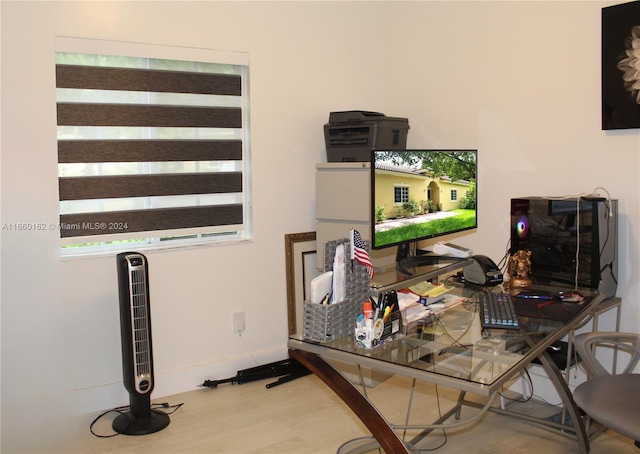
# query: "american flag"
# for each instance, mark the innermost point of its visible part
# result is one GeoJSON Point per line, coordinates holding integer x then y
{"type": "Point", "coordinates": [360, 254]}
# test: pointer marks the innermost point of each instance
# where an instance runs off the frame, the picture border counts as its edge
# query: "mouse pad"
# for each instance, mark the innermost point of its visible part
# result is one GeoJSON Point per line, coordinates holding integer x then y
{"type": "Point", "coordinates": [551, 310]}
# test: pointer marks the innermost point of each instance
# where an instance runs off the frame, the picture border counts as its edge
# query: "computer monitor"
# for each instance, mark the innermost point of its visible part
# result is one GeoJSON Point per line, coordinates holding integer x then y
{"type": "Point", "coordinates": [420, 194]}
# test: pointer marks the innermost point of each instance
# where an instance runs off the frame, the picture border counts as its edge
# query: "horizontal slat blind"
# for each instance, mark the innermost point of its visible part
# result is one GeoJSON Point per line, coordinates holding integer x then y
{"type": "Point", "coordinates": [84, 151]}
{"type": "Point", "coordinates": [157, 116]}
{"type": "Point", "coordinates": [111, 222]}
{"type": "Point", "coordinates": [132, 79]}
{"type": "Point", "coordinates": [80, 188]}
{"type": "Point", "coordinates": [120, 139]}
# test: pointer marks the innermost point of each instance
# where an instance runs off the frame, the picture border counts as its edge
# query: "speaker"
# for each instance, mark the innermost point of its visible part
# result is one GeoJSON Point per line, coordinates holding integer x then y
{"type": "Point", "coordinates": [137, 355]}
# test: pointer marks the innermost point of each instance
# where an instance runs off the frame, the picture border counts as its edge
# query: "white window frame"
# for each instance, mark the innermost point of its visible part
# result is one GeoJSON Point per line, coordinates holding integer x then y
{"type": "Point", "coordinates": [188, 236]}
{"type": "Point", "coordinates": [404, 195]}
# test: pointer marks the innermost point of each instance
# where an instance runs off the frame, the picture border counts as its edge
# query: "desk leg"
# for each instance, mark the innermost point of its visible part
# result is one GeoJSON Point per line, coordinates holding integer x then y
{"type": "Point", "coordinates": [368, 414]}
{"type": "Point", "coordinates": [565, 394]}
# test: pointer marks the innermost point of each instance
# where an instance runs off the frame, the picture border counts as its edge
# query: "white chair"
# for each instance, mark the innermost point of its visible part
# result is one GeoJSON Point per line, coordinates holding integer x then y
{"type": "Point", "coordinates": [613, 400]}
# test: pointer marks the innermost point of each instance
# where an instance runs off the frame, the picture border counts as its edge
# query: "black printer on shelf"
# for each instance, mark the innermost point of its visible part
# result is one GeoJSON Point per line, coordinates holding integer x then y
{"type": "Point", "coordinates": [350, 136]}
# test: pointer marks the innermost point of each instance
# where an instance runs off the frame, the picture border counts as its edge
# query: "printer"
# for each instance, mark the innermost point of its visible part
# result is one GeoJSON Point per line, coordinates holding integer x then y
{"type": "Point", "coordinates": [351, 135]}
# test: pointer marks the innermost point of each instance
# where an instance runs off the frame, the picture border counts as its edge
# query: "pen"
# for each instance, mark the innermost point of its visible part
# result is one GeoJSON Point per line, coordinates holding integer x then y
{"type": "Point", "coordinates": [535, 297]}
{"type": "Point", "coordinates": [376, 311]}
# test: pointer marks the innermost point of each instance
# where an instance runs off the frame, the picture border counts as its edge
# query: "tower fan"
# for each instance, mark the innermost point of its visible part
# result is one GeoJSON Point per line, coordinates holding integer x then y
{"type": "Point", "coordinates": [137, 356]}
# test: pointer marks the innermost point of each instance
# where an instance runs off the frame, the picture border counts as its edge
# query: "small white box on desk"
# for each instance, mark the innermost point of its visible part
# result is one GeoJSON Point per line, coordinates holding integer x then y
{"type": "Point", "coordinates": [452, 249]}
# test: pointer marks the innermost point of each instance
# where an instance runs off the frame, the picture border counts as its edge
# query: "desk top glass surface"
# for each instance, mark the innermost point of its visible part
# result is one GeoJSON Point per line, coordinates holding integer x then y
{"type": "Point", "coordinates": [451, 347]}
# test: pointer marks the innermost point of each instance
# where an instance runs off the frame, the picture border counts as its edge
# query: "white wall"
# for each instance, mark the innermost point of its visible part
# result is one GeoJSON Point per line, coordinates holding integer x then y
{"type": "Point", "coordinates": [522, 84]}
{"type": "Point", "coordinates": [519, 81]}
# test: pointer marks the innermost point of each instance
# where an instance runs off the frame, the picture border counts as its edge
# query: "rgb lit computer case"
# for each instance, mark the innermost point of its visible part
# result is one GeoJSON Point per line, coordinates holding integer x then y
{"type": "Point", "coordinates": [572, 241]}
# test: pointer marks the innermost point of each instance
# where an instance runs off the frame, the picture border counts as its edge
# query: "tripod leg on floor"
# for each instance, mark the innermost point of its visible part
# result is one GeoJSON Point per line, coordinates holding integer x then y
{"type": "Point", "coordinates": [288, 378]}
{"type": "Point", "coordinates": [284, 367]}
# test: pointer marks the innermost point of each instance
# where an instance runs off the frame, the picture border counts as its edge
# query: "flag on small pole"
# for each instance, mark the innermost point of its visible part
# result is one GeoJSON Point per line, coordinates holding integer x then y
{"type": "Point", "coordinates": [359, 253]}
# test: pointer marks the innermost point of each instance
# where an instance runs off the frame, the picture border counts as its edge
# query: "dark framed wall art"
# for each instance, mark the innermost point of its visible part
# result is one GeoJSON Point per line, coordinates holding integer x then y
{"type": "Point", "coordinates": [621, 66]}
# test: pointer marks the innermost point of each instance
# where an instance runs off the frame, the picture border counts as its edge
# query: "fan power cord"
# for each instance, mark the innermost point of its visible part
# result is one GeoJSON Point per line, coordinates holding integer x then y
{"type": "Point", "coordinates": [122, 410]}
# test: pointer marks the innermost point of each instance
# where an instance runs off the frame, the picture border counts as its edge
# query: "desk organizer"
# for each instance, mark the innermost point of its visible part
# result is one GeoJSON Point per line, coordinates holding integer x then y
{"type": "Point", "coordinates": [371, 332]}
{"type": "Point", "coordinates": [324, 323]}
{"type": "Point", "coordinates": [393, 325]}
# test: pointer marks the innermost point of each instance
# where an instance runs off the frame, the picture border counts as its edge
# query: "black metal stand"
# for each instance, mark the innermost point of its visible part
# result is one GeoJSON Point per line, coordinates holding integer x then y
{"type": "Point", "coordinates": [287, 370]}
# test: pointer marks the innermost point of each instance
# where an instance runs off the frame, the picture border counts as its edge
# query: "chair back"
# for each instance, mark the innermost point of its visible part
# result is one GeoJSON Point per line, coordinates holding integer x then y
{"type": "Point", "coordinates": [624, 342]}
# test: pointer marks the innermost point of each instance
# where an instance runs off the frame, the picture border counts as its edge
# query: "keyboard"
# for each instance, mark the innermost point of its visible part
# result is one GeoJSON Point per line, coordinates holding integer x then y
{"type": "Point", "coordinates": [497, 311]}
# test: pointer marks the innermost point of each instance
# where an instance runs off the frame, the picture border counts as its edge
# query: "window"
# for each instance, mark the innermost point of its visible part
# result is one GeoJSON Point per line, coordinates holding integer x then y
{"type": "Point", "coordinates": [153, 147]}
{"type": "Point", "coordinates": [400, 194]}
{"type": "Point", "coordinates": [454, 195]}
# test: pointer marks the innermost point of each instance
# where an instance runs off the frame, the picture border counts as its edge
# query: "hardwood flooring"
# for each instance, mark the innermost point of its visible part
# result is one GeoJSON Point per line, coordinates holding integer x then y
{"type": "Point", "coordinates": [304, 416]}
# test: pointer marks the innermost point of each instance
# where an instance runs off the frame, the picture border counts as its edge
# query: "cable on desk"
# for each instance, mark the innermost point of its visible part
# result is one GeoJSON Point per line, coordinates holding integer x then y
{"type": "Point", "coordinates": [504, 261]}
{"type": "Point", "coordinates": [524, 375]}
{"type": "Point", "coordinates": [444, 431]}
{"type": "Point", "coordinates": [454, 340]}
{"type": "Point", "coordinates": [443, 427]}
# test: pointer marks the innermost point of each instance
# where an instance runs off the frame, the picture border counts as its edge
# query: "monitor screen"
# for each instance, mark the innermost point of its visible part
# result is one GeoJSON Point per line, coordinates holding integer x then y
{"type": "Point", "coordinates": [420, 194]}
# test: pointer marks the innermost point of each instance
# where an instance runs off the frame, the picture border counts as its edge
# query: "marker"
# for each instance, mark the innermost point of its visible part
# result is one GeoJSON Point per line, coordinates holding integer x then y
{"type": "Point", "coordinates": [367, 310]}
{"type": "Point", "coordinates": [387, 311]}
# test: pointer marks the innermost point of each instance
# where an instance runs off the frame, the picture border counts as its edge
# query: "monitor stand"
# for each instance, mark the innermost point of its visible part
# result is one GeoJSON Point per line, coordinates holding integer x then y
{"type": "Point", "coordinates": [409, 256]}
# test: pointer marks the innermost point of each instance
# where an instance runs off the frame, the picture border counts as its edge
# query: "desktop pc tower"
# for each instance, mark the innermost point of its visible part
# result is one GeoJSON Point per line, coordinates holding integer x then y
{"type": "Point", "coordinates": [573, 241]}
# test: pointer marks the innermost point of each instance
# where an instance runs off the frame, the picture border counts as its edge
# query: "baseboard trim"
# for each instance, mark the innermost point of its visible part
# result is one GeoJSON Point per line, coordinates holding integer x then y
{"type": "Point", "coordinates": [168, 383]}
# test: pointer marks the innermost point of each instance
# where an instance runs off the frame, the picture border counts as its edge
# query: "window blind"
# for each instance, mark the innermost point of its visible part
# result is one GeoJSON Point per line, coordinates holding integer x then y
{"type": "Point", "coordinates": [149, 145]}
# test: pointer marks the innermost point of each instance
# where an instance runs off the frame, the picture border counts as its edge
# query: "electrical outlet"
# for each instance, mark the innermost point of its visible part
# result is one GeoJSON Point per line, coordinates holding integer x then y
{"type": "Point", "coordinates": [238, 322]}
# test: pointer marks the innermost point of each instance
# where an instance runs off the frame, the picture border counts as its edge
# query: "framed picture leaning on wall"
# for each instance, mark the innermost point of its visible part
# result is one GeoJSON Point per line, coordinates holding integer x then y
{"type": "Point", "coordinates": [300, 259]}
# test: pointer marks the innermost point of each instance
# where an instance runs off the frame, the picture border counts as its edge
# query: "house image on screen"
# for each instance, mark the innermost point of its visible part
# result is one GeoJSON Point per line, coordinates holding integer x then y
{"type": "Point", "coordinates": [402, 192]}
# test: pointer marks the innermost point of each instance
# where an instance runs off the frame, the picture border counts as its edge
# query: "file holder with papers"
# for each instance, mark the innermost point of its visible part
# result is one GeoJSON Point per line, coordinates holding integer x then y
{"type": "Point", "coordinates": [327, 322]}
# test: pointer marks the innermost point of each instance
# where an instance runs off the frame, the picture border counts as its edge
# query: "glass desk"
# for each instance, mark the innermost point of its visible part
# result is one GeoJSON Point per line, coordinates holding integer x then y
{"type": "Point", "coordinates": [452, 349]}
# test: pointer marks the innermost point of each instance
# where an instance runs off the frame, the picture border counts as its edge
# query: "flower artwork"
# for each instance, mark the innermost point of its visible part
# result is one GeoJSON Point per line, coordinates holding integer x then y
{"type": "Point", "coordinates": [621, 66]}
{"type": "Point", "coordinates": [630, 64]}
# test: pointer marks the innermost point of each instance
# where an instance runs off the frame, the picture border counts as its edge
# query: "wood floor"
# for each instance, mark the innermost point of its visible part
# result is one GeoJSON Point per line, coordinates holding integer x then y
{"type": "Point", "coordinates": [304, 416]}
